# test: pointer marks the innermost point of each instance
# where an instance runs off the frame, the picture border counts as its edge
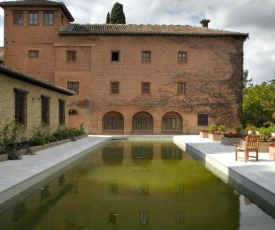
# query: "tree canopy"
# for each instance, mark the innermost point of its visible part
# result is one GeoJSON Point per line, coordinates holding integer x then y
{"type": "Point", "coordinates": [108, 18]}
{"type": "Point", "coordinates": [246, 81]}
{"type": "Point", "coordinates": [259, 104]}
{"type": "Point", "coordinates": [117, 15]}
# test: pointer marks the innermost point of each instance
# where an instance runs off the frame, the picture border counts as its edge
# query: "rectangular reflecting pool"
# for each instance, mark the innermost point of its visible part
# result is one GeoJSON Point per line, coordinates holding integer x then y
{"type": "Point", "coordinates": [131, 184]}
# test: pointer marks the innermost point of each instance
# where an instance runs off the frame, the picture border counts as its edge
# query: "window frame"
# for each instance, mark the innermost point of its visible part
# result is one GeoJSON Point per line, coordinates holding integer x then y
{"type": "Point", "coordinates": [182, 59]}
{"type": "Point", "coordinates": [144, 89]}
{"type": "Point", "coordinates": [144, 57]}
{"type": "Point", "coordinates": [47, 21]}
{"type": "Point", "coordinates": [171, 123]}
{"type": "Point", "coordinates": [45, 110]}
{"type": "Point", "coordinates": [114, 90]}
{"type": "Point", "coordinates": [113, 121]}
{"type": "Point", "coordinates": [203, 119]}
{"type": "Point", "coordinates": [61, 112]}
{"type": "Point", "coordinates": [73, 86]}
{"type": "Point", "coordinates": [142, 121]}
{"type": "Point", "coordinates": [181, 88]}
{"type": "Point", "coordinates": [18, 21]}
{"type": "Point", "coordinates": [33, 21]}
{"type": "Point", "coordinates": [33, 53]}
{"type": "Point", "coordinates": [113, 59]}
{"type": "Point", "coordinates": [20, 106]}
{"type": "Point", "coordinates": [71, 56]}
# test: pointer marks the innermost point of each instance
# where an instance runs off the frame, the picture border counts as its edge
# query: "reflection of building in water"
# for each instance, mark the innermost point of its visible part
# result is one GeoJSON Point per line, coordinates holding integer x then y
{"type": "Point", "coordinates": [160, 195]}
{"type": "Point", "coordinates": [179, 187]}
{"type": "Point", "coordinates": [143, 218]}
{"type": "Point", "coordinates": [113, 186]}
{"type": "Point", "coordinates": [38, 204]}
{"type": "Point", "coordinates": [142, 152]}
{"type": "Point", "coordinates": [113, 153]}
{"type": "Point", "coordinates": [170, 152]}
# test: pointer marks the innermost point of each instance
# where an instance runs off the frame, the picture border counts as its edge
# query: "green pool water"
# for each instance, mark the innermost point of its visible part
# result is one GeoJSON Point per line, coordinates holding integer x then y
{"type": "Point", "coordinates": [136, 185]}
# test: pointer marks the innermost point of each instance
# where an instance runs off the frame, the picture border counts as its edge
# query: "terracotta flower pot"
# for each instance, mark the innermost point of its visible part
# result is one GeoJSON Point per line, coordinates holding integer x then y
{"type": "Point", "coordinates": [271, 153]}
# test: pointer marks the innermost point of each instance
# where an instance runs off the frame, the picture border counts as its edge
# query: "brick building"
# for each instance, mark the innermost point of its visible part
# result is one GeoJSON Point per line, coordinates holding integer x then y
{"type": "Point", "coordinates": [129, 79]}
{"type": "Point", "coordinates": [30, 101]}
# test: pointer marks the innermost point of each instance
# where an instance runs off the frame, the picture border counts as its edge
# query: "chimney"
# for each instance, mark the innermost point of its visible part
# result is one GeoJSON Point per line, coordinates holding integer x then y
{"type": "Point", "coordinates": [204, 22]}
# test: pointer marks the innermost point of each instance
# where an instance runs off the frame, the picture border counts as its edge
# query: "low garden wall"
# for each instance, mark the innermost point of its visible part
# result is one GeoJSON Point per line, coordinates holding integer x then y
{"type": "Point", "coordinates": [34, 149]}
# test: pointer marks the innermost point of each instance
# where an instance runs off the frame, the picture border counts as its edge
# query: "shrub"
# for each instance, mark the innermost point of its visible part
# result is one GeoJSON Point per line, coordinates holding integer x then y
{"type": "Point", "coordinates": [222, 128]}
{"type": "Point", "coordinates": [212, 127]}
{"type": "Point", "coordinates": [39, 140]}
{"type": "Point", "coordinates": [12, 136]}
{"type": "Point", "coordinates": [239, 129]}
{"type": "Point", "coordinates": [52, 139]}
{"type": "Point", "coordinates": [41, 130]}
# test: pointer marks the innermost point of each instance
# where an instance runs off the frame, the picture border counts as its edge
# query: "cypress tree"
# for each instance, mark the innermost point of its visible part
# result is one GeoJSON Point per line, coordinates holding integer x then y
{"type": "Point", "coordinates": [108, 18]}
{"type": "Point", "coordinates": [117, 14]}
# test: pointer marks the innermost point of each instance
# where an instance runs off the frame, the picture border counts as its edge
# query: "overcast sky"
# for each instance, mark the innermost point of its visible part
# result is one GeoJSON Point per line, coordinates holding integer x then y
{"type": "Point", "coordinates": [256, 17]}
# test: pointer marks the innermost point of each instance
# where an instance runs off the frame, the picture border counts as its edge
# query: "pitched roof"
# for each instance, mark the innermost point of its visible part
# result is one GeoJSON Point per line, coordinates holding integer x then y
{"type": "Point", "coordinates": [131, 29]}
{"type": "Point", "coordinates": [35, 3]}
{"type": "Point", "coordinates": [9, 72]}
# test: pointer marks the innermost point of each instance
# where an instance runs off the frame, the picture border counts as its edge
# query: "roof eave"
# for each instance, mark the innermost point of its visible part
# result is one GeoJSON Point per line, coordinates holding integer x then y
{"type": "Point", "coordinates": [244, 36]}
{"type": "Point", "coordinates": [21, 4]}
{"type": "Point", "coordinates": [23, 77]}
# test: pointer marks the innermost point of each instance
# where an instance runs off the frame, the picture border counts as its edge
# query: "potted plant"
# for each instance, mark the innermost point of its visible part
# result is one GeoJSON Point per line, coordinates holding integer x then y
{"type": "Point", "coordinates": [204, 134]}
{"type": "Point", "coordinates": [214, 133]}
{"type": "Point", "coordinates": [231, 138]}
{"type": "Point", "coordinates": [212, 127]}
{"type": "Point", "coordinates": [222, 128]}
{"type": "Point", "coordinates": [272, 152]}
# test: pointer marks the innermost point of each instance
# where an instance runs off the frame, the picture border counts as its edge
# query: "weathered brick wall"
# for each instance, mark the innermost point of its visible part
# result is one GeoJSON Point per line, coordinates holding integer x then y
{"type": "Point", "coordinates": [18, 40]}
{"type": "Point", "coordinates": [7, 109]}
{"type": "Point", "coordinates": [212, 73]}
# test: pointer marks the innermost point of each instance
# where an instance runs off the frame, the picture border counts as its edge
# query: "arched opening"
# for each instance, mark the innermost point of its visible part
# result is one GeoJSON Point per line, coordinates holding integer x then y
{"type": "Point", "coordinates": [113, 123]}
{"type": "Point", "coordinates": [142, 123]}
{"type": "Point", "coordinates": [171, 123]}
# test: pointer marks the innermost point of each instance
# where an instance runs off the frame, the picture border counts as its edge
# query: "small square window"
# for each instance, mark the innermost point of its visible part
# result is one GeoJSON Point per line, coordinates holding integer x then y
{"type": "Point", "coordinates": [73, 86]}
{"type": "Point", "coordinates": [182, 57]}
{"type": "Point", "coordinates": [48, 18]}
{"type": "Point", "coordinates": [33, 18]}
{"type": "Point", "coordinates": [115, 87]}
{"type": "Point", "coordinates": [202, 119]}
{"type": "Point", "coordinates": [181, 88]}
{"type": "Point", "coordinates": [33, 53]}
{"type": "Point", "coordinates": [146, 56]}
{"type": "Point", "coordinates": [71, 56]}
{"type": "Point", "coordinates": [115, 56]}
{"type": "Point", "coordinates": [145, 87]}
{"type": "Point", "coordinates": [18, 18]}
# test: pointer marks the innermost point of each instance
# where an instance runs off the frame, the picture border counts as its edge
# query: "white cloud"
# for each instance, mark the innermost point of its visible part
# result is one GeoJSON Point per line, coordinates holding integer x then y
{"type": "Point", "coordinates": [254, 17]}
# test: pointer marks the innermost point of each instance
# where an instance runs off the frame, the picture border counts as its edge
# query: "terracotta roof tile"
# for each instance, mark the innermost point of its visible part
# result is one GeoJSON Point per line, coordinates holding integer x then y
{"type": "Point", "coordinates": [35, 3]}
{"type": "Point", "coordinates": [130, 29]}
